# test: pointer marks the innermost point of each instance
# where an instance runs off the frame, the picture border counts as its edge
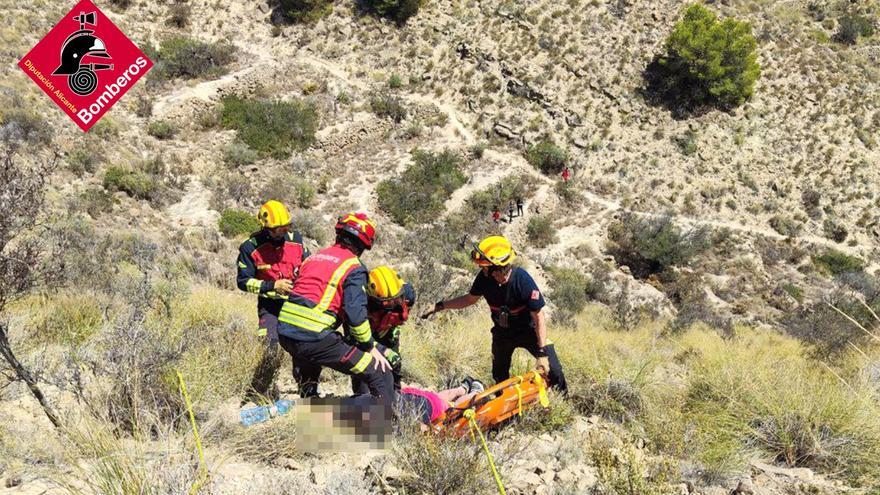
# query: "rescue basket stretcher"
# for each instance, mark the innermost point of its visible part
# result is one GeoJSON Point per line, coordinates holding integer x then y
{"type": "Point", "coordinates": [495, 405]}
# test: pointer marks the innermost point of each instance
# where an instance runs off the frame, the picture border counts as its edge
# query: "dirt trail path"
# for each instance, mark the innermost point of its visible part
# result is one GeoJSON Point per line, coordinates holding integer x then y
{"type": "Point", "coordinates": [460, 132]}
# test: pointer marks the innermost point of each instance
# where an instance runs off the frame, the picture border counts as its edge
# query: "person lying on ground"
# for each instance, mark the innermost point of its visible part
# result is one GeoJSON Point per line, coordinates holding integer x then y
{"type": "Point", "coordinates": [426, 406]}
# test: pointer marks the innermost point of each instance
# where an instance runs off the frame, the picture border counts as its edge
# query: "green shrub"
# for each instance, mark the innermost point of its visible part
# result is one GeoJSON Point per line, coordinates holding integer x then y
{"type": "Point", "coordinates": [541, 232]}
{"type": "Point", "coordinates": [687, 143]}
{"type": "Point", "coordinates": [19, 125]}
{"type": "Point", "coordinates": [236, 223]}
{"type": "Point", "coordinates": [851, 26]}
{"type": "Point", "coordinates": [188, 58]}
{"type": "Point", "coordinates": [834, 230]}
{"type": "Point", "coordinates": [134, 183]}
{"type": "Point", "coordinates": [305, 11]}
{"type": "Point", "coordinates": [388, 106]}
{"type": "Point", "coordinates": [568, 293]}
{"type": "Point", "coordinates": [547, 157]}
{"type": "Point", "coordinates": [395, 82]}
{"type": "Point", "coordinates": [418, 195]}
{"type": "Point", "coordinates": [95, 201]}
{"type": "Point", "coordinates": [707, 61]}
{"type": "Point", "coordinates": [837, 263]}
{"type": "Point", "coordinates": [81, 161]}
{"type": "Point", "coordinates": [290, 190]}
{"type": "Point", "coordinates": [273, 128]}
{"type": "Point", "coordinates": [237, 154]}
{"type": "Point", "coordinates": [161, 129]}
{"type": "Point", "coordinates": [649, 245]}
{"type": "Point", "coordinates": [178, 15]}
{"type": "Point", "coordinates": [397, 10]}
{"type": "Point", "coordinates": [498, 195]}
{"type": "Point", "coordinates": [786, 226]}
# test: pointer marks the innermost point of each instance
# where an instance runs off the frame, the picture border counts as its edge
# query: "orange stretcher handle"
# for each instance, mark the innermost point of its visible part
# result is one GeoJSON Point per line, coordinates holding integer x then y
{"type": "Point", "coordinates": [495, 405]}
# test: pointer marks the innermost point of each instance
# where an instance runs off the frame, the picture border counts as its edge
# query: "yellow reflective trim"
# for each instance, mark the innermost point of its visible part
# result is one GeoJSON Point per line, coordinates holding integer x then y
{"type": "Point", "coordinates": [305, 318]}
{"type": "Point", "coordinates": [362, 363]}
{"type": "Point", "coordinates": [241, 265]}
{"type": "Point", "coordinates": [253, 285]}
{"type": "Point", "coordinates": [261, 332]}
{"type": "Point", "coordinates": [330, 290]}
{"type": "Point", "coordinates": [361, 333]}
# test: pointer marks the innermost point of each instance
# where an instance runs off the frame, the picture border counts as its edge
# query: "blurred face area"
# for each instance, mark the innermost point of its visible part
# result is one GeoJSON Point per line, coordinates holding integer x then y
{"type": "Point", "coordinates": [278, 233]}
{"type": "Point", "coordinates": [497, 273]}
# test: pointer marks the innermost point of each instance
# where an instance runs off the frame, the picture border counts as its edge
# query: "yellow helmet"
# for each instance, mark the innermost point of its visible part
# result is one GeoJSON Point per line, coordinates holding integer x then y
{"type": "Point", "coordinates": [384, 283]}
{"type": "Point", "coordinates": [494, 250]}
{"type": "Point", "coordinates": [273, 214]}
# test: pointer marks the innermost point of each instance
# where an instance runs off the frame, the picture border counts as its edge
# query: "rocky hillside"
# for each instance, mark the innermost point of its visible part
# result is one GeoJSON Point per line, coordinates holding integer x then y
{"type": "Point", "coordinates": [761, 215]}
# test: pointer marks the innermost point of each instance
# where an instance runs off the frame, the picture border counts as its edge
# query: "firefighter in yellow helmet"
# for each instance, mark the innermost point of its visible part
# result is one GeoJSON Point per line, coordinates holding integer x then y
{"type": "Point", "coordinates": [268, 263]}
{"type": "Point", "coordinates": [516, 304]}
{"type": "Point", "coordinates": [389, 301]}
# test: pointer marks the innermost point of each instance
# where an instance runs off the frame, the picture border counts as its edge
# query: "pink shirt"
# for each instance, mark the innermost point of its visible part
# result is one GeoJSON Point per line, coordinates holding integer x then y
{"type": "Point", "coordinates": [437, 404]}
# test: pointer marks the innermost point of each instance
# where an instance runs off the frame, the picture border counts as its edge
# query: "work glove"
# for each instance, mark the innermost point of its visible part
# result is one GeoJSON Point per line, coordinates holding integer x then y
{"type": "Point", "coordinates": [543, 362]}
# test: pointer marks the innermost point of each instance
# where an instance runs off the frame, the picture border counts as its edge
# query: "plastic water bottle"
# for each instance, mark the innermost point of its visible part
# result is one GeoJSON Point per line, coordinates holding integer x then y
{"type": "Point", "coordinates": [260, 414]}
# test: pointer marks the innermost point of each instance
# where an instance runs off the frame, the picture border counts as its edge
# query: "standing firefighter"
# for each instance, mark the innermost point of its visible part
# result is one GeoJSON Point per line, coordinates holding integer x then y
{"type": "Point", "coordinates": [268, 263]}
{"type": "Point", "coordinates": [516, 303]}
{"type": "Point", "coordinates": [331, 291]}
{"type": "Point", "coordinates": [389, 300]}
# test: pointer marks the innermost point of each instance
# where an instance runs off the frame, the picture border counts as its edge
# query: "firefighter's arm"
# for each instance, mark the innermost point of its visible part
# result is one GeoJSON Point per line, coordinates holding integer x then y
{"type": "Point", "coordinates": [354, 304]}
{"type": "Point", "coordinates": [247, 272]}
{"type": "Point", "coordinates": [409, 295]}
{"type": "Point", "coordinates": [542, 361]}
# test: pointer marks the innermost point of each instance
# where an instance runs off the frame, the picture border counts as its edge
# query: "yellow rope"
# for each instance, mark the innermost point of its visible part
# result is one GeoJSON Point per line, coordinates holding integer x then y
{"type": "Point", "coordinates": [202, 479]}
{"type": "Point", "coordinates": [469, 414]}
{"type": "Point", "coordinates": [542, 391]}
{"type": "Point", "coordinates": [519, 395]}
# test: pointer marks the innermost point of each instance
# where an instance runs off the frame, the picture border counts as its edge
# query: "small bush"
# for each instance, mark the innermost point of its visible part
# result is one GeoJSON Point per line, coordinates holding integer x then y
{"type": "Point", "coordinates": [237, 223]}
{"type": "Point", "coordinates": [95, 201]}
{"type": "Point", "coordinates": [687, 143]}
{"type": "Point", "coordinates": [134, 183]}
{"type": "Point", "coordinates": [68, 317]}
{"type": "Point", "coordinates": [21, 126]}
{"type": "Point", "coordinates": [178, 15]}
{"type": "Point", "coordinates": [834, 230]}
{"type": "Point", "coordinates": [653, 245]}
{"type": "Point", "coordinates": [305, 11]}
{"type": "Point", "coordinates": [273, 128]}
{"type": "Point", "coordinates": [786, 226]}
{"type": "Point", "coordinates": [290, 190]}
{"type": "Point", "coordinates": [397, 10]}
{"type": "Point", "coordinates": [851, 26]}
{"type": "Point", "coordinates": [568, 193]}
{"type": "Point", "coordinates": [498, 195]}
{"type": "Point", "coordinates": [547, 157]}
{"type": "Point", "coordinates": [707, 61]}
{"type": "Point", "coordinates": [541, 232]}
{"type": "Point", "coordinates": [418, 195]}
{"type": "Point", "coordinates": [189, 58]}
{"type": "Point", "coordinates": [161, 129]}
{"type": "Point", "coordinates": [568, 292]}
{"type": "Point", "coordinates": [395, 82]}
{"type": "Point", "coordinates": [81, 161]}
{"type": "Point", "coordinates": [837, 263]}
{"type": "Point", "coordinates": [388, 106]}
{"type": "Point", "coordinates": [238, 154]}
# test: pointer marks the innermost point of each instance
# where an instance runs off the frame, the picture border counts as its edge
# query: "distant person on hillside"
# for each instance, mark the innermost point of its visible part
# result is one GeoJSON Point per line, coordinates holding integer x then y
{"type": "Point", "coordinates": [268, 264]}
{"type": "Point", "coordinates": [496, 215]}
{"type": "Point", "coordinates": [510, 212]}
{"type": "Point", "coordinates": [566, 174]}
{"type": "Point", "coordinates": [519, 207]}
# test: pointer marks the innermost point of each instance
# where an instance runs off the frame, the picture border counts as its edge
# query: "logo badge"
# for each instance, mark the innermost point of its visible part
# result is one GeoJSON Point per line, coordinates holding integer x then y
{"type": "Point", "coordinates": [85, 64]}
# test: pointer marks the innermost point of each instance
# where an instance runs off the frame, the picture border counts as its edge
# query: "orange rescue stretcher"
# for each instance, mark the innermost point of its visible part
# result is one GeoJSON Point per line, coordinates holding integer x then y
{"type": "Point", "coordinates": [495, 405]}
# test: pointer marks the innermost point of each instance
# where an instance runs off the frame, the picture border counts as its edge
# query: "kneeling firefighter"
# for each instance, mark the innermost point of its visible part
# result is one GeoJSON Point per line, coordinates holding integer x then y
{"type": "Point", "coordinates": [331, 291]}
{"type": "Point", "coordinates": [515, 302]}
{"type": "Point", "coordinates": [389, 301]}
